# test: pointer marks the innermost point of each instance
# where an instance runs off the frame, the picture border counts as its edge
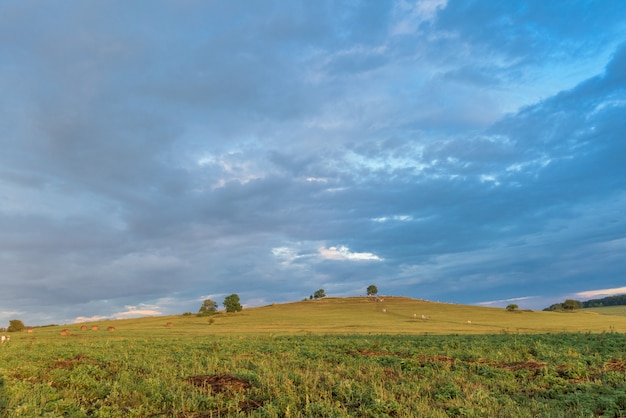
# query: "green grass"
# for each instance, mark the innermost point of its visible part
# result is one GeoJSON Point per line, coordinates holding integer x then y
{"type": "Point", "coordinates": [332, 357]}
{"type": "Point", "coordinates": [608, 310]}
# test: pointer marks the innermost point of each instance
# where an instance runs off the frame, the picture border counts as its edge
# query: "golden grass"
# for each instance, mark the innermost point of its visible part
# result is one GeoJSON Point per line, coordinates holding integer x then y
{"type": "Point", "coordinates": [358, 315]}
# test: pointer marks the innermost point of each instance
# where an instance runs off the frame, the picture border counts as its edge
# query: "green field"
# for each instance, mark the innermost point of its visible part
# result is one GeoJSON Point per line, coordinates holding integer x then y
{"type": "Point", "coordinates": [326, 358]}
{"type": "Point", "coordinates": [608, 310]}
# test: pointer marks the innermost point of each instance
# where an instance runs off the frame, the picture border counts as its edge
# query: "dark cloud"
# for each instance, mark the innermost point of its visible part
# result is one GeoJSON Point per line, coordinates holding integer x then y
{"type": "Point", "coordinates": [155, 156]}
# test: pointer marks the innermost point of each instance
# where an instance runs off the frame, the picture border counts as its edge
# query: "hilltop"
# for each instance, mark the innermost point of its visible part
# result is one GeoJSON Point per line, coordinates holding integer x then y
{"type": "Point", "coordinates": [362, 315]}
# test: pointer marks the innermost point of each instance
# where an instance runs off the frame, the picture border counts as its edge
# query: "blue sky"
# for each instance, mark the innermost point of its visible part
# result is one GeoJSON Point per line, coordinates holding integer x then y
{"type": "Point", "coordinates": [154, 154]}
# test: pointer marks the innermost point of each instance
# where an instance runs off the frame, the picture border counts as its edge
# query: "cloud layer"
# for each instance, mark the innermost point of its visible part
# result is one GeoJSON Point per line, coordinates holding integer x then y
{"type": "Point", "coordinates": [458, 151]}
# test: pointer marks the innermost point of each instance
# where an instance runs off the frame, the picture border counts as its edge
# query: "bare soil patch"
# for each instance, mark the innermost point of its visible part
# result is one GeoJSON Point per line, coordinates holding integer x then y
{"type": "Point", "coordinates": [226, 384]}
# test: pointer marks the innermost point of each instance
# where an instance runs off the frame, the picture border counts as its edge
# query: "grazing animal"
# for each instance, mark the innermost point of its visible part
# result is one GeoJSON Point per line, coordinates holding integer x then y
{"type": "Point", "coordinates": [384, 310]}
{"type": "Point", "coordinates": [29, 330]}
{"type": "Point", "coordinates": [111, 329]}
{"type": "Point", "coordinates": [414, 316]}
{"type": "Point", "coordinates": [95, 328]}
{"type": "Point", "coordinates": [469, 322]}
{"type": "Point", "coordinates": [423, 317]}
{"type": "Point", "coordinates": [83, 328]}
{"type": "Point", "coordinates": [65, 332]}
{"type": "Point", "coordinates": [3, 339]}
{"type": "Point", "coordinates": [169, 325]}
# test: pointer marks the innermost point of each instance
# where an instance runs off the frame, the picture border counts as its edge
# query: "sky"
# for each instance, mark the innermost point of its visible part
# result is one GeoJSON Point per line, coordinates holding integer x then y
{"type": "Point", "coordinates": [154, 154]}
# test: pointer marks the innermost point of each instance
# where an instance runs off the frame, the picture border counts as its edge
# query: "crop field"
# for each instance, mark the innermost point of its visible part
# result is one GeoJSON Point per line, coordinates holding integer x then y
{"type": "Point", "coordinates": [308, 360]}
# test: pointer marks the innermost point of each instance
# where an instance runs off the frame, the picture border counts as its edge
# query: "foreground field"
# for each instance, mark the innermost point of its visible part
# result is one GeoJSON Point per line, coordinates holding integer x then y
{"type": "Point", "coordinates": [322, 360]}
{"type": "Point", "coordinates": [568, 375]}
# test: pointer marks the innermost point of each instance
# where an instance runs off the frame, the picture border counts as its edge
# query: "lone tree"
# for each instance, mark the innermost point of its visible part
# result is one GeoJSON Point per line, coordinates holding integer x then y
{"type": "Point", "coordinates": [372, 290]}
{"type": "Point", "coordinates": [15, 325]}
{"type": "Point", "coordinates": [512, 307]}
{"type": "Point", "coordinates": [231, 303]}
{"type": "Point", "coordinates": [208, 307]}
{"type": "Point", "coordinates": [319, 294]}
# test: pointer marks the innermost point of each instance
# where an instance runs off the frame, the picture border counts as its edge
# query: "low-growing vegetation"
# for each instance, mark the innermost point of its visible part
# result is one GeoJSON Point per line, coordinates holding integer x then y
{"type": "Point", "coordinates": [182, 366]}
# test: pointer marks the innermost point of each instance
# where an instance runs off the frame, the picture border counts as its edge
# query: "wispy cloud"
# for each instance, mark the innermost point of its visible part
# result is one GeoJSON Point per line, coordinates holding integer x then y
{"type": "Point", "coordinates": [601, 292]}
{"type": "Point", "coordinates": [344, 253]}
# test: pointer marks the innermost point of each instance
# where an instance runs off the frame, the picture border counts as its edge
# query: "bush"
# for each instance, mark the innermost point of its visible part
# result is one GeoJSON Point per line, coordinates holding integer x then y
{"type": "Point", "coordinates": [15, 325]}
{"type": "Point", "coordinates": [512, 307]}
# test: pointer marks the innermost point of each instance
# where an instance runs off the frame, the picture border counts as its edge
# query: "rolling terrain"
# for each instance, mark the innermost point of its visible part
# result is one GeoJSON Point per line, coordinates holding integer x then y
{"type": "Point", "coordinates": [361, 315]}
{"type": "Point", "coordinates": [339, 357]}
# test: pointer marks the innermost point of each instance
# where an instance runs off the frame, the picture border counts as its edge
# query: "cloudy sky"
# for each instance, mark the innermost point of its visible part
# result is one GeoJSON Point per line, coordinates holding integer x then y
{"type": "Point", "coordinates": [156, 153]}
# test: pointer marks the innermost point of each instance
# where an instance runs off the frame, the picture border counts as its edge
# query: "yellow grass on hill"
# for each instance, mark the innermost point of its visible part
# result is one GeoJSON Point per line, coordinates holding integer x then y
{"type": "Point", "coordinates": [358, 315]}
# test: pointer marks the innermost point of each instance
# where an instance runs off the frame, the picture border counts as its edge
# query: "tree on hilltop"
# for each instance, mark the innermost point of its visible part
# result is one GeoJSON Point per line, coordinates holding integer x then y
{"type": "Point", "coordinates": [512, 307]}
{"type": "Point", "coordinates": [232, 304]}
{"type": "Point", "coordinates": [319, 294]}
{"type": "Point", "coordinates": [208, 307]}
{"type": "Point", "coordinates": [372, 290]}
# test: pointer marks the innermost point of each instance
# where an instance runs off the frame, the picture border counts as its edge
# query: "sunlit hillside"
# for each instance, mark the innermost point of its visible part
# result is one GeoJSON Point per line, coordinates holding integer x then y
{"type": "Point", "coordinates": [608, 310]}
{"type": "Point", "coordinates": [392, 315]}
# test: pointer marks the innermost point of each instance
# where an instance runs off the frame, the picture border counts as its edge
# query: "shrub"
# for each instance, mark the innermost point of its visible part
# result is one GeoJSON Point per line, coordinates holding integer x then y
{"type": "Point", "coordinates": [15, 325]}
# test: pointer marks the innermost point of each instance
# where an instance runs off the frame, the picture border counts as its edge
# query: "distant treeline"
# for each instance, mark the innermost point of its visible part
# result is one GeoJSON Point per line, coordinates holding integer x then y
{"type": "Point", "coordinates": [571, 304]}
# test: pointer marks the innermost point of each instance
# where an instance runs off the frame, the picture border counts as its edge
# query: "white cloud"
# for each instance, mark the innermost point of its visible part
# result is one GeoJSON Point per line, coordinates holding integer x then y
{"type": "Point", "coordinates": [399, 218]}
{"type": "Point", "coordinates": [343, 253]}
{"type": "Point", "coordinates": [501, 301]}
{"type": "Point", "coordinates": [416, 13]}
{"type": "Point", "coordinates": [130, 312]}
{"type": "Point", "coordinates": [286, 254]}
{"type": "Point", "coordinates": [602, 292]}
{"type": "Point", "coordinates": [94, 318]}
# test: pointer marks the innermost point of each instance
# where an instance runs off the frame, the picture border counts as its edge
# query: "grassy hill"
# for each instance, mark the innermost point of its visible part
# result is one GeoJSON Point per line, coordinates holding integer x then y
{"type": "Point", "coordinates": [608, 310]}
{"type": "Point", "coordinates": [331, 357]}
{"type": "Point", "coordinates": [359, 315]}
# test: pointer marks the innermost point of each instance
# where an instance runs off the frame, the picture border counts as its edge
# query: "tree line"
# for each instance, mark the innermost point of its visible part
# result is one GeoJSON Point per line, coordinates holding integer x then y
{"type": "Point", "coordinates": [571, 304]}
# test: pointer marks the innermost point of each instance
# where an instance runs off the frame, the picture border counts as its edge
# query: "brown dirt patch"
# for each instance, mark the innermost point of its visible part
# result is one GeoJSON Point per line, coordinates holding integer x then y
{"type": "Point", "coordinates": [523, 365]}
{"type": "Point", "coordinates": [225, 384]}
{"type": "Point", "coordinates": [69, 363]}
{"type": "Point", "coordinates": [436, 359]}
{"type": "Point", "coordinates": [615, 366]}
